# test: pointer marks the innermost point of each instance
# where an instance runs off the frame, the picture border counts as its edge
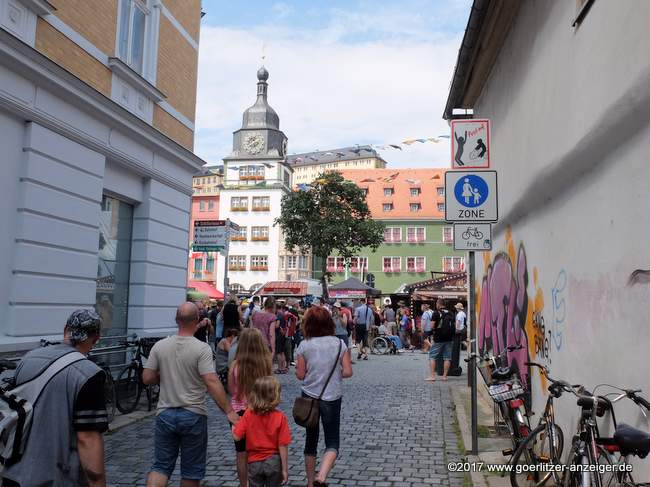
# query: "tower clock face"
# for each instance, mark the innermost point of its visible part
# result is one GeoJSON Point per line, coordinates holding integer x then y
{"type": "Point", "coordinates": [254, 143]}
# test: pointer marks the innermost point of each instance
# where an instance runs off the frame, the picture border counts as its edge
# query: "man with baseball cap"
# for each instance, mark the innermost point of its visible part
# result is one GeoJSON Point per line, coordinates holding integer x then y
{"type": "Point", "coordinates": [65, 445]}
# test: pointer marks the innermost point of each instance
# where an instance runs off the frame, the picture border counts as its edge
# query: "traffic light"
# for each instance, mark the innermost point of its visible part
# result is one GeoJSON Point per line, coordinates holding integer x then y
{"type": "Point", "coordinates": [370, 280]}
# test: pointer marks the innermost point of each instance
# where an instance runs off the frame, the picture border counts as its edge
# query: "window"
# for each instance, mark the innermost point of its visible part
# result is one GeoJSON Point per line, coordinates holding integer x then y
{"type": "Point", "coordinates": [358, 264]}
{"type": "Point", "coordinates": [415, 192]}
{"type": "Point", "coordinates": [453, 264]}
{"type": "Point", "coordinates": [202, 205]}
{"type": "Point", "coordinates": [133, 23]}
{"type": "Point", "coordinates": [365, 191]}
{"type": "Point", "coordinates": [415, 207]}
{"type": "Point", "coordinates": [335, 264]}
{"type": "Point", "coordinates": [236, 262]}
{"type": "Point", "coordinates": [112, 285]}
{"type": "Point", "coordinates": [416, 264]}
{"type": "Point", "coordinates": [210, 205]}
{"type": "Point", "coordinates": [261, 203]}
{"type": "Point", "coordinates": [292, 262]}
{"type": "Point", "coordinates": [388, 191]}
{"type": "Point", "coordinates": [260, 233]}
{"type": "Point", "coordinates": [441, 207]}
{"type": "Point", "coordinates": [392, 264]}
{"type": "Point", "coordinates": [239, 203]}
{"type": "Point", "coordinates": [388, 207]}
{"type": "Point", "coordinates": [447, 234]}
{"type": "Point", "coordinates": [415, 234]}
{"type": "Point", "coordinates": [209, 265]}
{"type": "Point", "coordinates": [287, 178]}
{"type": "Point", "coordinates": [303, 262]}
{"type": "Point", "coordinates": [259, 263]}
{"type": "Point", "coordinates": [236, 288]}
{"type": "Point", "coordinates": [440, 190]}
{"type": "Point", "coordinates": [239, 235]}
{"type": "Point", "coordinates": [251, 172]}
{"type": "Point", "coordinates": [392, 234]}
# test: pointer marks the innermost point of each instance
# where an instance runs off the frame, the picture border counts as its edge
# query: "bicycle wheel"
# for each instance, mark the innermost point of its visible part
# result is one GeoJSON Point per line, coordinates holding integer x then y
{"type": "Point", "coordinates": [536, 450]}
{"type": "Point", "coordinates": [380, 346]}
{"type": "Point", "coordinates": [109, 393]}
{"type": "Point", "coordinates": [129, 389]}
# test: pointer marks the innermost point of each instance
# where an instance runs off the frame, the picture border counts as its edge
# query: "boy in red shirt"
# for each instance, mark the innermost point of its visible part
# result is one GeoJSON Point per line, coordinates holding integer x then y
{"type": "Point", "coordinates": [267, 435]}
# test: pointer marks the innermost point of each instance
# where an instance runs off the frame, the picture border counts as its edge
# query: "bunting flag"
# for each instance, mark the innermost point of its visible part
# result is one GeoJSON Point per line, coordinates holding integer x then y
{"type": "Point", "coordinates": [407, 143]}
{"type": "Point", "coordinates": [395, 146]}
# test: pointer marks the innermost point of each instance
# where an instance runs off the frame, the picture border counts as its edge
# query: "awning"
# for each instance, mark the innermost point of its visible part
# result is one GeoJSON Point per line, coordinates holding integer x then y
{"type": "Point", "coordinates": [206, 288]}
{"type": "Point", "coordinates": [283, 288]}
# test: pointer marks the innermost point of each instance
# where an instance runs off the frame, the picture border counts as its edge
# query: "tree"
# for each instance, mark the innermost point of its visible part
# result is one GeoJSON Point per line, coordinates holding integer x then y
{"type": "Point", "coordinates": [330, 215]}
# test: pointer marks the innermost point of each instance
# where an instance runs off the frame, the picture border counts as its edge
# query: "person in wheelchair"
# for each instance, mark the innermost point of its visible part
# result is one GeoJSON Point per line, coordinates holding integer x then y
{"type": "Point", "coordinates": [394, 342]}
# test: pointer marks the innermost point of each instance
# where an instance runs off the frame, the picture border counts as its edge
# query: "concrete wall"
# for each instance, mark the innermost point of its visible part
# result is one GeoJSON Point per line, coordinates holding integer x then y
{"type": "Point", "coordinates": [571, 136]}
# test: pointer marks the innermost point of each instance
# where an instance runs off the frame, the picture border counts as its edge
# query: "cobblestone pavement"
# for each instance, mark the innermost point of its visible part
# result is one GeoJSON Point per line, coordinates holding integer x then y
{"type": "Point", "coordinates": [397, 430]}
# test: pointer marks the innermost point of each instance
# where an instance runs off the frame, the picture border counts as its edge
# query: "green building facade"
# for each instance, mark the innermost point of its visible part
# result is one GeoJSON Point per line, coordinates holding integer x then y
{"type": "Point", "coordinates": [412, 249]}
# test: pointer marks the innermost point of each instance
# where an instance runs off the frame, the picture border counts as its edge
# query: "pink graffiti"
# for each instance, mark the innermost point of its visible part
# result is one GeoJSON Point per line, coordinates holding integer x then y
{"type": "Point", "coordinates": [504, 303]}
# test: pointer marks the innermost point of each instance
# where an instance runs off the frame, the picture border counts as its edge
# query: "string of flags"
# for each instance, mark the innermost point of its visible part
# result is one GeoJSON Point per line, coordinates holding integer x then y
{"type": "Point", "coordinates": [409, 142]}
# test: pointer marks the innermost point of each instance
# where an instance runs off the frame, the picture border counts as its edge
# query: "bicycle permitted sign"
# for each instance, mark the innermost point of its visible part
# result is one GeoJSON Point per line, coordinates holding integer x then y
{"type": "Point", "coordinates": [473, 236]}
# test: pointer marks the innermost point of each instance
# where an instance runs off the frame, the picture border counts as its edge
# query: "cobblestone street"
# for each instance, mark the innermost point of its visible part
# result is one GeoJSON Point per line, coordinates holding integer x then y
{"type": "Point", "coordinates": [397, 430]}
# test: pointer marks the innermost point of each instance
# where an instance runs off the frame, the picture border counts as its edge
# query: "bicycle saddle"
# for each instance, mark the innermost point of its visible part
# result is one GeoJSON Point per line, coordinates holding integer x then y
{"type": "Point", "coordinates": [501, 373]}
{"type": "Point", "coordinates": [632, 441]}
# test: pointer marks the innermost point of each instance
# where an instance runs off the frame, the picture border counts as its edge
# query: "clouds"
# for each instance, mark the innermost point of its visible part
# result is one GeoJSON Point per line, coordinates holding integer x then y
{"type": "Point", "coordinates": [364, 76]}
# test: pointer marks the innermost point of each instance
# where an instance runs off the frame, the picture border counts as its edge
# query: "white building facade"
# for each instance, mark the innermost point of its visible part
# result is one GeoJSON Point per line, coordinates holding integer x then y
{"type": "Point", "coordinates": [255, 179]}
{"type": "Point", "coordinates": [568, 93]}
{"type": "Point", "coordinates": [94, 206]}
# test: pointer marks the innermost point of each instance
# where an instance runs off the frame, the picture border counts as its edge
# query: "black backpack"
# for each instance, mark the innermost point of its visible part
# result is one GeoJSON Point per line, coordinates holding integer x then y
{"type": "Point", "coordinates": [446, 328]}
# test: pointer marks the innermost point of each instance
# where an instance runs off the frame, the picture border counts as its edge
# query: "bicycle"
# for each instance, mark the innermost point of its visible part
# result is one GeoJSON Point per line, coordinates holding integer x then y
{"type": "Point", "coordinates": [589, 450]}
{"type": "Point", "coordinates": [472, 232]}
{"type": "Point", "coordinates": [545, 443]}
{"type": "Point", "coordinates": [507, 393]}
{"type": "Point", "coordinates": [129, 380]}
{"type": "Point", "coordinates": [109, 383]}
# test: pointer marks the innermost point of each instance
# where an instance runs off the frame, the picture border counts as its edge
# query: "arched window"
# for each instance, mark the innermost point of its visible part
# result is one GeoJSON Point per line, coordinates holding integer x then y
{"type": "Point", "coordinates": [236, 288]}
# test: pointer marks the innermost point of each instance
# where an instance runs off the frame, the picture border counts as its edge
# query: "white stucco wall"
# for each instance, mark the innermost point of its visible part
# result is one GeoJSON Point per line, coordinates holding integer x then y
{"type": "Point", "coordinates": [63, 147]}
{"type": "Point", "coordinates": [249, 219]}
{"type": "Point", "coordinates": [570, 110]}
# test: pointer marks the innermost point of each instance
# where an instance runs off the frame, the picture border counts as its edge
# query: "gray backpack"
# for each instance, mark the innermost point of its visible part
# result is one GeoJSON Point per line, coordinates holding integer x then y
{"type": "Point", "coordinates": [17, 408]}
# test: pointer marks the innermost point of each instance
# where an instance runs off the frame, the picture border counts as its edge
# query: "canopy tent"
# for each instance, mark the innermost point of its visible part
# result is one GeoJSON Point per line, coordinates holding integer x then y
{"type": "Point", "coordinates": [206, 288]}
{"type": "Point", "coordinates": [352, 288]}
{"type": "Point", "coordinates": [449, 286]}
{"type": "Point", "coordinates": [298, 288]}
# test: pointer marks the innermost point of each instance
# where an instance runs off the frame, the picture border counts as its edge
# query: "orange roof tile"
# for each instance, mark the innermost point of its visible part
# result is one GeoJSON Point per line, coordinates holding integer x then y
{"type": "Point", "coordinates": [401, 181]}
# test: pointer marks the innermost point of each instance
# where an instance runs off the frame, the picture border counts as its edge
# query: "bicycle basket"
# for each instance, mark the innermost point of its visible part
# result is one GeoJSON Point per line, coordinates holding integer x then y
{"type": "Point", "coordinates": [505, 391]}
{"type": "Point", "coordinates": [147, 344]}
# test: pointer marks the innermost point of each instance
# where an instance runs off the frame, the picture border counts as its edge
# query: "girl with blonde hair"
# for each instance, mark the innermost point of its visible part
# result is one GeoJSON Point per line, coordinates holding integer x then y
{"type": "Point", "coordinates": [252, 361]}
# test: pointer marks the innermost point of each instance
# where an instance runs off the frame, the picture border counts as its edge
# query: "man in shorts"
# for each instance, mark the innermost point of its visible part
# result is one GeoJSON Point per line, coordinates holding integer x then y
{"type": "Point", "coordinates": [443, 335]}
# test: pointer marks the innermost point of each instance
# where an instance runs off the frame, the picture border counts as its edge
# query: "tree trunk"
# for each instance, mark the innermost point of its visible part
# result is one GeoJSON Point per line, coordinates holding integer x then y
{"type": "Point", "coordinates": [323, 279]}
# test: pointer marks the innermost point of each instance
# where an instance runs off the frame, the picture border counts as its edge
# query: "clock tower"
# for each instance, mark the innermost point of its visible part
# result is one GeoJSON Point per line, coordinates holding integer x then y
{"type": "Point", "coordinates": [256, 176]}
{"type": "Point", "coordinates": [260, 136]}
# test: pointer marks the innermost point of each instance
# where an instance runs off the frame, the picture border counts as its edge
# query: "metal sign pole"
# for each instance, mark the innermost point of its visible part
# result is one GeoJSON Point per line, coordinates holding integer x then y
{"type": "Point", "coordinates": [225, 265]}
{"type": "Point", "coordinates": [473, 330]}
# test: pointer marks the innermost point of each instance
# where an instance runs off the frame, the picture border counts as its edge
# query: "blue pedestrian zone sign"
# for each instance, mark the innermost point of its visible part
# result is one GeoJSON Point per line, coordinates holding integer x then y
{"type": "Point", "coordinates": [471, 196]}
{"type": "Point", "coordinates": [471, 191]}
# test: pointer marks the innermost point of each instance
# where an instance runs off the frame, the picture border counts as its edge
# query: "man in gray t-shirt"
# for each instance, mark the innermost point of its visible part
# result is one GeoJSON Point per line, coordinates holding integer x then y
{"type": "Point", "coordinates": [390, 319]}
{"type": "Point", "coordinates": [183, 367]}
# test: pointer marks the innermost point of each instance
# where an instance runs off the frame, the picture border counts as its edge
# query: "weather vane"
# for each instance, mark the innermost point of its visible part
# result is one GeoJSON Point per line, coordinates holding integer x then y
{"type": "Point", "coordinates": [263, 52]}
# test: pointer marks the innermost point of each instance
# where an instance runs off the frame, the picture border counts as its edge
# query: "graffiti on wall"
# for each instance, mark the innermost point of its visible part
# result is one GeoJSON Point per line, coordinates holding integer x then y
{"type": "Point", "coordinates": [507, 315]}
{"type": "Point", "coordinates": [559, 310]}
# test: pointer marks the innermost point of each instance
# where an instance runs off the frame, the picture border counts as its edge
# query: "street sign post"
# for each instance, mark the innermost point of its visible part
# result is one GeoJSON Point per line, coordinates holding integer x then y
{"type": "Point", "coordinates": [470, 144]}
{"type": "Point", "coordinates": [471, 196]}
{"type": "Point", "coordinates": [473, 236]}
{"type": "Point", "coordinates": [210, 236]}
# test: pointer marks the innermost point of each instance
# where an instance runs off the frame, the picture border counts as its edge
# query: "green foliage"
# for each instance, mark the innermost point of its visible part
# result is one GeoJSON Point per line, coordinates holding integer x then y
{"type": "Point", "coordinates": [331, 216]}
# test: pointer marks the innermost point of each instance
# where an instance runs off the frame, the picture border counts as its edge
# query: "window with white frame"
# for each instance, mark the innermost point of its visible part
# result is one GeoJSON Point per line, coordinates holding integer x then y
{"type": "Point", "coordinates": [133, 31]}
{"type": "Point", "coordinates": [387, 207]}
{"type": "Point", "coordinates": [259, 233]}
{"type": "Point", "coordinates": [237, 262]}
{"type": "Point", "coordinates": [415, 234]}
{"type": "Point", "coordinates": [292, 262]}
{"type": "Point", "coordinates": [392, 264]}
{"type": "Point", "coordinates": [392, 234]}
{"type": "Point", "coordinates": [239, 203]}
{"type": "Point", "coordinates": [440, 190]}
{"type": "Point", "coordinates": [415, 192]}
{"type": "Point", "coordinates": [415, 207]}
{"type": "Point", "coordinates": [210, 205]}
{"type": "Point", "coordinates": [416, 264]}
{"type": "Point", "coordinates": [388, 191]}
{"type": "Point", "coordinates": [202, 205]}
{"type": "Point", "coordinates": [303, 262]}
{"type": "Point", "coordinates": [453, 264]}
{"type": "Point", "coordinates": [239, 235]}
{"type": "Point", "coordinates": [251, 172]}
{"type": "Point", "coordinates": [335, 264]}
{"type": "Point", "coordinates": [441, 207]}
{"type": "Point", "coordinates": [259, 262]}
{"type": "Point", "coordinates": [447, 234]}
{"type": "Point", "coordinates": [358, 264]}
{"type": "Point", "coordinates": [209, 265]}
{"type": "Point", "coordinates": [261, 203]}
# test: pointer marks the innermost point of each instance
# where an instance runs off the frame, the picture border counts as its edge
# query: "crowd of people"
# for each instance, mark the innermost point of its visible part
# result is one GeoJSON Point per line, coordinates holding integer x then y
{"type": "Point", "coordinates": [226, 352]}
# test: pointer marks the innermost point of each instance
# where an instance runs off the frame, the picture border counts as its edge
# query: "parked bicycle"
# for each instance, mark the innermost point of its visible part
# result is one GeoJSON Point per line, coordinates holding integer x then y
{"type": "Point", "coordinates": [589, 451]}
{"type": "Point", "coordinates": [129, 381]}
{"type": "Point", "coordinates": [544, 444]}
{"type": "Point", "coordinates": [109, 383]}
{"type": "Point", "coordinates": [506, 391]}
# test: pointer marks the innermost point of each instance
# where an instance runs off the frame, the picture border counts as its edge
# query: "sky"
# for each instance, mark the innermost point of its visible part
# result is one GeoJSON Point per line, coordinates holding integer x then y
{"type": "Point", "coordinates": [342, 73]}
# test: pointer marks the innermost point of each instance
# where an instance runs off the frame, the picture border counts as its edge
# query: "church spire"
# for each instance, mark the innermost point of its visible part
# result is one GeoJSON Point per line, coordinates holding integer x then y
{"type": "Point", "coordinates": [261, 115]}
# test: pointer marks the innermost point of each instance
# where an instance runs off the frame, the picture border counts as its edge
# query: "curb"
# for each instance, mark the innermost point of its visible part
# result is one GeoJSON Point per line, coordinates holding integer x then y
{"type": "Point", "coordinates": [463, 422]}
